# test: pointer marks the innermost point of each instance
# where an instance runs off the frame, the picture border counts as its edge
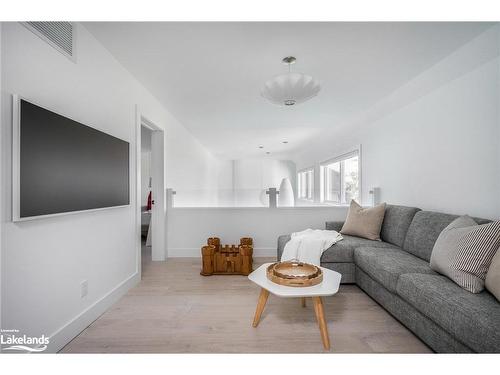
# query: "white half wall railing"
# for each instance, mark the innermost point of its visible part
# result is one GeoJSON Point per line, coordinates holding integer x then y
{"type": "Point", "coordinates": [189, 227]}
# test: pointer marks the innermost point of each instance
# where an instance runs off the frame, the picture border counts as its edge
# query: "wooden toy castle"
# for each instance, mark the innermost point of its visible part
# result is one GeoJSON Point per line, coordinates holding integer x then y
{"type": "Point", "coordinates": [227, 259]}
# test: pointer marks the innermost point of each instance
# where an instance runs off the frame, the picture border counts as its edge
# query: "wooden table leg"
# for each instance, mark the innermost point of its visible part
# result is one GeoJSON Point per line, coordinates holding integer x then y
{"type": "Point", "coordinates": [303, 301]}
{"type": "Point", "coordinates": [320, 315]}
{"type": "Point", "coordinates": [260, 306]}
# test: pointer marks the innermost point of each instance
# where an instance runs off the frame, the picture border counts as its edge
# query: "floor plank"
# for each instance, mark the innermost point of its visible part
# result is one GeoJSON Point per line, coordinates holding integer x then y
{"type": "Point", "coordinates": [176, 310]}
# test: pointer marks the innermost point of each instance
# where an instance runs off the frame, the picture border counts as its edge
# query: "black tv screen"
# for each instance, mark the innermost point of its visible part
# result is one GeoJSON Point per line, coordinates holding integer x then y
{"type": "Point", "coordinates": [66, 166]}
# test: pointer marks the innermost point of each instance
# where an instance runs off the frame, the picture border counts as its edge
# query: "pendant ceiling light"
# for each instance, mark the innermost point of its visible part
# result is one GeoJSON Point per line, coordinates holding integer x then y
{"type": "Point", "coordinates": [290, 88]}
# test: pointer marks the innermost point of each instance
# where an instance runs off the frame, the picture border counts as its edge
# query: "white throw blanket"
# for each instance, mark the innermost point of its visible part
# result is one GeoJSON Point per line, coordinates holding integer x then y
{"type": "Point", "coordinates": [308, 245]}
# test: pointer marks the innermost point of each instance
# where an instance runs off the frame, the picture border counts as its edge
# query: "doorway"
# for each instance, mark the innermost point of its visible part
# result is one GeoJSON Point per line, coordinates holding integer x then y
{"type": "Point", "coordinates": [146, 196]}
{"type": "Point", "coordinates": [151, 208]}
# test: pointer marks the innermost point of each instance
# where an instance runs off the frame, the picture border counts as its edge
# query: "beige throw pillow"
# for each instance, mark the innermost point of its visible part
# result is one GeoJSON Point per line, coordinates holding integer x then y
{"type": "Point", "coordinates": [493, 276]}
{"type": "Point", "coordinates": [364, 222]}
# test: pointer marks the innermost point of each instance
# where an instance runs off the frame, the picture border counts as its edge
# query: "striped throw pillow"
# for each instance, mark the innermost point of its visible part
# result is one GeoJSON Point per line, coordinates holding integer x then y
{"type": "Point", "coordinates": [475, 251]}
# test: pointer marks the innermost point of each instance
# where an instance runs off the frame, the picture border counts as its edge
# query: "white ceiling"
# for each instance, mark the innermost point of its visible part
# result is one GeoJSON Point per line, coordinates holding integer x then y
{"type": "Point", "coordinates": [209, 75]}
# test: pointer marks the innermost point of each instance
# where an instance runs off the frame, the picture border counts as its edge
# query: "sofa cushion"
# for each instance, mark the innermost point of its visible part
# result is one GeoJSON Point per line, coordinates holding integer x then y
{"type": "Point", "coordinates": [493, 276]}
{"type": "Point", "coordinates": [334, 225]}
{"type": "Point", "coordinates": [282, 240]}
{"type": "Point", "coordinates": [385, 265]}
{"type": "Point", "coordinates": [396, 222]}
{"type": "Point", "coordinates": [464, 250]}
{"type": "Point", "coordinates": [474, 319]}
{"type": "Point", "coordinates": [364, 222]}
{"type": "Point", "coordinates": [424, 231]}
{"type": "Point", "coordinates": [342, 251]}
{"type": "Point", "coordinates": [446, 246]}
{"type": "Point", "coordinates": [347, 270]}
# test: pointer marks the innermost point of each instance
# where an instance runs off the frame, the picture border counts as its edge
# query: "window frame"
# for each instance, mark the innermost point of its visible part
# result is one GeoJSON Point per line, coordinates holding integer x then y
{"type": "Point", "coordinates": [305, 170]}
{"type": "Point", "coordinates": [323, 180]}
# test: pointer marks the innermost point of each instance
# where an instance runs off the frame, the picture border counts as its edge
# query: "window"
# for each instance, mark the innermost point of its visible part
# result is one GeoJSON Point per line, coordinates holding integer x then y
{"type": "Point", "coordinates": [305, 184]}
{"type": "Point", "coordinates": [340, 179]}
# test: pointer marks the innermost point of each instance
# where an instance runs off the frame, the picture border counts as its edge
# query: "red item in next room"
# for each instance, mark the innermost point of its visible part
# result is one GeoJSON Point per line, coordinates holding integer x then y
{"type": "Point", "coordinates": [150, 200]}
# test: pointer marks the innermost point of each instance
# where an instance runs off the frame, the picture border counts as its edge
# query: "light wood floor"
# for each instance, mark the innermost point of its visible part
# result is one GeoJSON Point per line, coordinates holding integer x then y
{"type": "Point", "coordinates": [175, 310]}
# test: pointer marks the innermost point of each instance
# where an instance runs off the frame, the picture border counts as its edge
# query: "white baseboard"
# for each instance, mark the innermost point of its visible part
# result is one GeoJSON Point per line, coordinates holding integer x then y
{"type": "Point", "coordinates": [70, 330]}
{"type": "Point", "coordinates": [196, 252]}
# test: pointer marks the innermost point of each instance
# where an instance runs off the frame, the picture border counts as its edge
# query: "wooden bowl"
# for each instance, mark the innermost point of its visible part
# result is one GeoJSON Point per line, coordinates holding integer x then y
{"type": "Point", "coordinates": [292, 273]}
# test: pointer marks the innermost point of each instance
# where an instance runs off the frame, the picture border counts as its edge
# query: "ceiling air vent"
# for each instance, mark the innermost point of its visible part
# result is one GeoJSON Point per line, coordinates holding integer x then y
{"type": "Point", "coordinates": [59, 35]}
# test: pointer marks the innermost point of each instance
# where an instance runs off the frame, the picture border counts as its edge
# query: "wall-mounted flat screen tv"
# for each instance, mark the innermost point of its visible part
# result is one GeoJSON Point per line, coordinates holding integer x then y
{"type": "Point", "coordinates": [63, 166]}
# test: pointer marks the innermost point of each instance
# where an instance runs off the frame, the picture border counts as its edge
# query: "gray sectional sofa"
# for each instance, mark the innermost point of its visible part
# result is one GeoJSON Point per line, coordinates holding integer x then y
{"type": "Point", "coordinates": [395, 272]}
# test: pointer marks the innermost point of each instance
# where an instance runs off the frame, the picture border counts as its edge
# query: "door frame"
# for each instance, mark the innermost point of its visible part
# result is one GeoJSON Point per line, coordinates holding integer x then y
{"type": "Point", "coordinates": [158, 216]}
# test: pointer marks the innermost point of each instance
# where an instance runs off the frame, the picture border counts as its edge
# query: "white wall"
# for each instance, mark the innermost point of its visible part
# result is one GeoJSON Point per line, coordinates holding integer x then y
{"type": "Point", "coordinates": [239, 183]}
{"type": "Point", "coordinates": [253, 176]}
{"type": "Point", "coordinates": [189, 228]}
{"type": "Point", "coordinates": [45, 260]}
{"type": "Point", "coordinates": [1, 174]}
{"type": "Point", "coordinates": [433, 143]}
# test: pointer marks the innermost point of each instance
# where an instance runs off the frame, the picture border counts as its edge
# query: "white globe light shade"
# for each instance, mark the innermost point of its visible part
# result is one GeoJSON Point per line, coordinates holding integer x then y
{"type": "Point", "coordinates": [290, 89]}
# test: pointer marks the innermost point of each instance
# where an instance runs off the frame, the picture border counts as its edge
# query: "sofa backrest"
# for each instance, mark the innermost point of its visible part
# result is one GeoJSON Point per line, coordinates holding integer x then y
{"type": "Point", "coordinates": [425, 229]}
{"type": "Point", "coordinates": [397, 220]}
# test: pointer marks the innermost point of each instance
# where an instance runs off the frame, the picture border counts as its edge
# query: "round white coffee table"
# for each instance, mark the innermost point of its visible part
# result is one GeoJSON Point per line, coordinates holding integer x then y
{"type": "Point", "coordinates": [328, 287]}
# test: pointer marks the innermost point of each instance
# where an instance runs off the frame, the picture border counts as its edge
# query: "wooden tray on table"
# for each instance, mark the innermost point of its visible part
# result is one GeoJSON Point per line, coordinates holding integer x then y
{"type": "Point", "coordinates": [294, 273]}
